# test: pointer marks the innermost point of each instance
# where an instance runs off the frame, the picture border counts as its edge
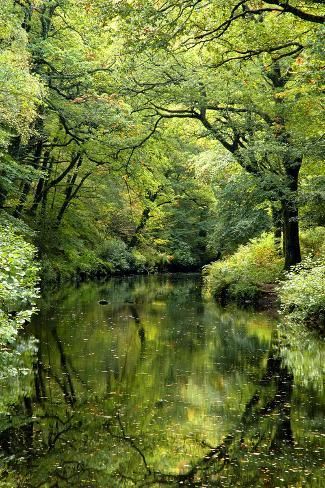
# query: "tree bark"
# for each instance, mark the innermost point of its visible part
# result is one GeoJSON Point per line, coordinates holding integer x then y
{"type": "Point", "coordinates": [144, 219]}
{"type": "Point", "coordinates": [27, 184]}
{"type": "Point", "coordinates": [40, 186]}
{"type": "Point", "coordinates": [290, 218]}
{"type": "Point", "coordinates": [71, 192]}
{"type": "Point", "coordinates": [68, 193]}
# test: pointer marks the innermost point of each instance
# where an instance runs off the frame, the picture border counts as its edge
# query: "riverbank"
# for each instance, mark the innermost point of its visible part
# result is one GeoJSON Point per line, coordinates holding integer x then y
{"type": "Point", "coordinates": [254, 277]}
{"type": "Point", "coordinates": [60, 274]}
{"type": "Point", "coordinates": [63, 260]}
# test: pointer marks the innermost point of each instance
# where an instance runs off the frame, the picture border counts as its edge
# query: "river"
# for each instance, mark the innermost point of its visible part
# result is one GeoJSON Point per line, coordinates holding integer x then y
{"type": "Point", "coordinates": [157, 387]}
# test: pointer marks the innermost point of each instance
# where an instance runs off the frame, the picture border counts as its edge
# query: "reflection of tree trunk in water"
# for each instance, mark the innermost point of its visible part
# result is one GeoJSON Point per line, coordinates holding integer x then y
{"type": "Point", "coordinates": [283, 381]}
{"type": "Point", "coordinates": [40, 390]}
{"type": "Point", "coordinates": [253, 413]}
{"type": "Point", "coordinates": [141, 331]}
{"type": "Point", "coordinates": [284, 434]}
{"type": "Point", "coordinates": [66, 384]}
{"type": "Point", "coordinates": [121, 371]}
{"type": "Point", "coordinates": [14, 440]}
{"type": "Point", "coordinates": [28, 428]}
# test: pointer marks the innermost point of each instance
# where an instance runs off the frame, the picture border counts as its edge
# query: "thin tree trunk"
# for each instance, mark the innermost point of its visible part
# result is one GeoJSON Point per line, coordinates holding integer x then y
{"type": "Point", "coordinates": [152, 197]}
{"type": "Point", "coordinates": [27, 184]}
{"type": "Point", "coordinates": [48, 185]}
{"type": "Point", "coordinates": [277, 227]}
{"type": "Point", "coordinates": [67, 199]}
{"type": "Point", "coordinates": [71, 193]}
{"type": "Point", "coordinates": [3, 191]}
{"type": "Point", "coordinates": [40, 186]}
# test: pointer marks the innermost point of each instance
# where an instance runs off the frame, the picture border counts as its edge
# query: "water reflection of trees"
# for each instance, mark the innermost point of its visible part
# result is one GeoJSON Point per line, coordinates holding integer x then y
{"type": "Point", "coordinates": [263, 436]}
{"type": "Point", "coordinates": [272, 397]}
{"type": "Point", "coordinates": [264, 430]}
{"type": "Point", "coordinates": [65, 434]}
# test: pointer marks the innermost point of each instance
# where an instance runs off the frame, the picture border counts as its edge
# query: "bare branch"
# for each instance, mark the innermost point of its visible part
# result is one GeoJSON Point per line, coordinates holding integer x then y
{"type": "Point", "coordinates": [297, 12]}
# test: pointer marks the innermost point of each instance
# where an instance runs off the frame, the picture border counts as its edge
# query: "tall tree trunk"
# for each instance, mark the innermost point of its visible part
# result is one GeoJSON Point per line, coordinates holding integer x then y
{"type": "Point", "coordinates": [71, 191]}
{"type": "Point", "coordinates": [22, 199]}
{"type": "Point", "coordinates": [27, 184]}
{"type": "Point", "coordinates": [291, 245]}
{"type": "Point", "coordinates": [143, 221]}
{"type": "Point", "coordinates": [290, 217]}
{"type": "Point", "coordinates": [290, 221]}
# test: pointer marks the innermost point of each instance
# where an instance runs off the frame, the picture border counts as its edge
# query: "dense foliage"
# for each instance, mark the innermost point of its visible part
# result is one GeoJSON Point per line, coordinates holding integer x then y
{"type": "Point", "coordinates": [244, 276]}
{"type": "Point", "coordinates": [143, 136]}
{"type": "Point", "coordinates": [252, 272]}
{"type": "Point", "coordinates": [18, 292]}
{"type": "Point", "coordinates": [137, 136]}
{"type": "Point", "coordinates": [302, 294]}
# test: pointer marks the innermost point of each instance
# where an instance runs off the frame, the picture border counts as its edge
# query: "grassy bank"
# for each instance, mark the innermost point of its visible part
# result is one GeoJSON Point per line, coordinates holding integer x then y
{"type": "Point", "coordinates": [79, 265]}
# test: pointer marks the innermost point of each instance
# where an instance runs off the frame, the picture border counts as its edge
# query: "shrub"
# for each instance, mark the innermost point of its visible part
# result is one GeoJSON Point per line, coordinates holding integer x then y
{"type": "Point", "coordinates": [149, 260]}
{"type": "Point", "coordinates": [242, 276]}
{"type": "Point", "coordinates": [18, 292]}
{"type": "Point", "coordinates": [116, 254]}
{"type": "Point", "coordinates": [18, 271]}
{"type": "Point", "coordinates": [183, 256]}
{"type": "Point", "coordinates": [302, 294]}
{"type": "Point", "coordinates": [313, 242]}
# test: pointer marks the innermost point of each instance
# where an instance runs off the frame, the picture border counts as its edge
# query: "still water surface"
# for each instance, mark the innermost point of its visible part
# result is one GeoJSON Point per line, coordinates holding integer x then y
{"type": "Point", "coordinates": [160, 387]}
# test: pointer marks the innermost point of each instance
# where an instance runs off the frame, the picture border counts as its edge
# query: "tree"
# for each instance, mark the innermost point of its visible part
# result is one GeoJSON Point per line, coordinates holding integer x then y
{"type": "Point", "coordinates": [245, 105]}
{"type": "Point", "coordinates": [20, 95]}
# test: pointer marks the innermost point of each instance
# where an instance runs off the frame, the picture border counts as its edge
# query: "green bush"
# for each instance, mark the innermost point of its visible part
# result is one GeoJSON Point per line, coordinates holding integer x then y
{"type": "Point", "coordinates": [18, 271]}
{"type": "Point", "coordinates": [115, 254]}
{"type": "Point", "coordinates": [183, 256]}
{"type": "Point", "coordinates": [243, 275]}
{"type": "Point", "coordinates": [302, 294]}
{"type": "Point", "coordinates": [18, 292]}
{"type": "Point", "coordinates": [313, 242]}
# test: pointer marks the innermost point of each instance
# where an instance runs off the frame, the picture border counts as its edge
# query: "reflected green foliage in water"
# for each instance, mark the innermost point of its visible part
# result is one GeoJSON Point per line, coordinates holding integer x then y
{"type": "Point", "coordinates": [303, 352]}
{"type": "Point", "coordinates": [158, 387]}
